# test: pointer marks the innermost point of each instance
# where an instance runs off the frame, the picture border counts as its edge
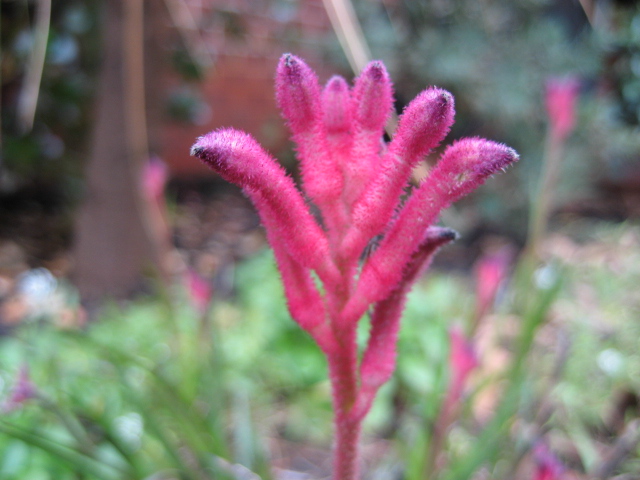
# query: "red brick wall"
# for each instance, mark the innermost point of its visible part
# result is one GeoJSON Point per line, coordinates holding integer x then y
{"type": "Point", "coordinates": [239, 87]}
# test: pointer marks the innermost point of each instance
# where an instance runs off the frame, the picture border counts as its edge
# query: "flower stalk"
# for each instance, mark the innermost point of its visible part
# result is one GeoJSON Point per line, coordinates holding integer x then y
{"type": "Point", "coordinates": [356, 182]}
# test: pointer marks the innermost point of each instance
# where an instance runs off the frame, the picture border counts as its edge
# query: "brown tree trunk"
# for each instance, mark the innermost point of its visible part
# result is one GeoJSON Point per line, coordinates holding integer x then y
{"type": "Point", "coordinates": [114, 243]}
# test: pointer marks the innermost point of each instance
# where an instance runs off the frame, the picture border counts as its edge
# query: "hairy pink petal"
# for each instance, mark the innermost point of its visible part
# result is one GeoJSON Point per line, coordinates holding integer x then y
{"type": "Point", "coordinates": [299, 98]}
{"type": "Point", "coordinates": [239, 159]}
{"type": "Point", "coordinates": [423, 125]}
{"type": "Point", "coordinates": [372, 103]}
{"type": "Point", "coordinates": [463, 167]}
{"type": "Point", "coordinates": [379, 359]}
{"type": "Point", "coordinates": [373, 98]}
{"type": "Point", "coordinates": [336, 106]}
{"type": "Point", "coordinates": [304, 300]}
{"type": "Point", "coordinates": [339, 140]}
{"type": "Point", "coordinates": [298, 94]}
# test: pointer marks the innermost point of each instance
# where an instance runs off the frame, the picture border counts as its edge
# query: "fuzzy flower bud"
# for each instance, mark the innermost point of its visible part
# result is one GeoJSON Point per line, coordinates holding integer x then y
{"type": "Point", "coordinates": [239, 159]}
{"type": "Point", "coordinates": [463, 166]}
{"type": "Point", "coordinates": [423, 125]}
{"type": "Point", "coordinates": [372, 98]}
{"type": "Point", "coordinates": [379, 359]}
{"type": "Point", "coordinates": [336, 107]}
{"type": "Point", "coordinates": [298, 94]}
{"type": "Point", "coordinates": [371, 102]}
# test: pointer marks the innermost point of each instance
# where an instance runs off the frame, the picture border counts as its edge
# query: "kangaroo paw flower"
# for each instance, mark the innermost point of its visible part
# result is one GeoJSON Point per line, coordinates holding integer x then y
{"type": "Point", "coordinates": [356, 182]}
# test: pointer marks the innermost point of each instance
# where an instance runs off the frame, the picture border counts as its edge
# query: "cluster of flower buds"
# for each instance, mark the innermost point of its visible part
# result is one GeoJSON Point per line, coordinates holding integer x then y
{"type": "Point", "coordinates": [357, 183]}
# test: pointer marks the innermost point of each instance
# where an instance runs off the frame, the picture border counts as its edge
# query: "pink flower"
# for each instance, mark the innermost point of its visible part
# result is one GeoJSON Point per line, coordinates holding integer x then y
{"type": "Point", "coordinates": [548, 467]}
{"type": "Point", "coordinates": [462, 361]}
{"type": "Point", "coordinates": [490, 273]}
{"type": "Point", "coordinates": [22, 391]}
{"type": "Point", "coordinates": [561, 98]}
{"type": "Point", "coordinates": [199, 290]}
{"type": "Point", "coordinates": [356, 182]}
{"type": "Point", "coordinates": [154, 180]}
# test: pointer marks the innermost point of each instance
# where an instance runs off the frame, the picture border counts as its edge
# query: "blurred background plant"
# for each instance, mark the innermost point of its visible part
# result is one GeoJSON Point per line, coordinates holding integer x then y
{"type": "Point", "coordinates": [151, 386]}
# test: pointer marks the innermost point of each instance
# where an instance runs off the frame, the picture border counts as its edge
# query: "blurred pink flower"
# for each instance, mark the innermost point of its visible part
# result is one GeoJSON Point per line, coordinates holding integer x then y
{"type": "Point", "coordinates": [561, 98]}
{"type": "Point", "coordinates": [199, 290]}
{"type": "Point", "coordinates": [490, 272]}
{"type": "Point", "coordinates": [154, 180]}
{"type": "Point", "coordinates": [548, 467]}
{"type": "Point", "coordinates": [22, 391]}
{"type": "Point", "coordinates": [462, 361]}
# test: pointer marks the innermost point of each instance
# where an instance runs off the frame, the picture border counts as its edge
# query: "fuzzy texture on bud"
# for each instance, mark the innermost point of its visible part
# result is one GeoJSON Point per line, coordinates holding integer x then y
{"type": "Point", "coordinates": [239, 159]}
{"type": "Point", "coordinates": [423, 125]}
{"type": "Point", "coordinates": [298, 95]}
{"type": "Point", "coordinates": [464, 166]}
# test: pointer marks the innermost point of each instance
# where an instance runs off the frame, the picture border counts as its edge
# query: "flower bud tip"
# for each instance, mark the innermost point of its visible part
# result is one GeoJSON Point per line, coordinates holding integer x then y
{"type": "Point", "coordinates": [197, 151]}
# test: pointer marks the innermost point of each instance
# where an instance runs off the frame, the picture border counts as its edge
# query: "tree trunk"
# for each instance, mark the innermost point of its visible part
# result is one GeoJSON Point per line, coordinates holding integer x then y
{"type": "Point", "coordinates": [114, 243]}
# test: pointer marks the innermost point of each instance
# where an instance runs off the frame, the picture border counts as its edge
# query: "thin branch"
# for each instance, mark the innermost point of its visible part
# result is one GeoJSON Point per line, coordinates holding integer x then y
{"type": "Point", "coordinates": [186, 24]}
{"type": "Point", "coordinates": [28, 99]}
{"type": "Point", "coordinates": [345, 23]}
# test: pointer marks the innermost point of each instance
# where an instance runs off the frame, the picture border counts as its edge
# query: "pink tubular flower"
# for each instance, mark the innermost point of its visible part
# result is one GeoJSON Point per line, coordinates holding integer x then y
{"type": "Point", "coordinates": [462, 361]}
{"type": "Point", "coordinates": [22, 391]}
{"type": "Point", "coordinates": [356, 182]}
{"type": "Point", "coordinates": [154, 179]}
{"type": "Point", "coordinates": [548, 467]}
{"type": "Point", "coordinates": [199, 290]}
{"type": "Point", "coordinates": [561, 98]}
{"type": "Point", "coordinates": [490, 272]}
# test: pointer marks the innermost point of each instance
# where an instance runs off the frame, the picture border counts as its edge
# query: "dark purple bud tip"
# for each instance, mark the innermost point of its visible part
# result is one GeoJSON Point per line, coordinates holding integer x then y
{"type": "Point", "coordinates": [498, 158]}
{"type": "Point", "coordinates": [297, 93]}
{"type": "Point", "coordinates": [471, 160]}
{"type": "Point", "coordinates": [291, 68]}
{"type": "Point", "coordinates": [438, 236]}
{"type": "Point", "coordinates": [444, 104]}
{"type": "Point", "coordinates": [211, 155]}
{"type": "Point", "coordinates": [197, 151]}
{"type": "Point", "coordinates": [226, 151]}
{"type": "Point", "coordinates": [376, 70]}
{"type": "Point", "coordinates": [288, 58]}
{"type": "Point", "coordinates": [444, 234]}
